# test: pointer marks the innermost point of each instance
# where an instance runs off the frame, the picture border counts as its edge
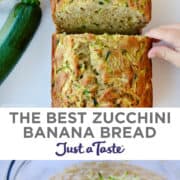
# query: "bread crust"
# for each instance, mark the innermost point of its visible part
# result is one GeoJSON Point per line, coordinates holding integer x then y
{"type": "Point", "coordinates": [52, 68]}
{"type": "Point", "coordinates": [101, 71]}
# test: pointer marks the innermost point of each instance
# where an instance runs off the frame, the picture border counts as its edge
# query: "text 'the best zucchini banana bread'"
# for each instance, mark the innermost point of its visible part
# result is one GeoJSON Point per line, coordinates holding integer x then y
{"type": "Point", "coordinates": [101, 16]}
{"type": "Point", "coordinates": [101, 71]}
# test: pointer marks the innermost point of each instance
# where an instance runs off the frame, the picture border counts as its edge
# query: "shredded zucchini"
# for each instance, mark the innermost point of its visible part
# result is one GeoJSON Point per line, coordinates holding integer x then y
{"type": "Point", "coordinates": [125, 176]}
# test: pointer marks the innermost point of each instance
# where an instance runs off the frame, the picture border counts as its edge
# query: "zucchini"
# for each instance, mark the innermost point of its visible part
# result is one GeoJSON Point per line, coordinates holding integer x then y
{"type": "Point", "coordinates": [16, 33]}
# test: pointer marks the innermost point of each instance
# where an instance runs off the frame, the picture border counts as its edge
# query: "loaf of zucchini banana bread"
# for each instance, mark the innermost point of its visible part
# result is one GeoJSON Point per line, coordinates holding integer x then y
{"type": "Point", "coordinates": [101, 71]}
{"type": "Point", "coordinates": [101, 16]}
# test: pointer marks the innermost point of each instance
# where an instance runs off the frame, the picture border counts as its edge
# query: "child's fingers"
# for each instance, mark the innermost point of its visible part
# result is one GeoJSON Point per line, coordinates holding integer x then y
{"type": "Point", "coordinates": [168, 35]}
{"type": "Point", "coordinates": [165, 53]}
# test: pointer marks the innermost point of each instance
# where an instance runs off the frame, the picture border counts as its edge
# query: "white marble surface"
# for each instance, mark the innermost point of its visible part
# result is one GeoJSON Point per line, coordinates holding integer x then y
{"type": "Point", "coordinates": [29, 82]}
{"type": "Point", "coordinates": [42, 170]}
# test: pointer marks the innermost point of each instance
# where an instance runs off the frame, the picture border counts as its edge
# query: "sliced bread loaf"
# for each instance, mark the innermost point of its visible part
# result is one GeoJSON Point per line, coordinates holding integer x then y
{"type": "Point", "coordinates": [101, 71]}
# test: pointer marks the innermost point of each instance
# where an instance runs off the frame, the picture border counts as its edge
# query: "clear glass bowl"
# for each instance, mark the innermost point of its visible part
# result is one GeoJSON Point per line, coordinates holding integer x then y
{"type": "Point", "coordinates": [43, 170]}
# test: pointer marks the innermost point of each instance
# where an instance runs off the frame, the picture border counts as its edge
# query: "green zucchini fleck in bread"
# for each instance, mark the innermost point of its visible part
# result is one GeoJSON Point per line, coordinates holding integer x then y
{"type": "Point", "coordinates": [101, 16]}
{"type": "Point", "coordinates": [101, 71]}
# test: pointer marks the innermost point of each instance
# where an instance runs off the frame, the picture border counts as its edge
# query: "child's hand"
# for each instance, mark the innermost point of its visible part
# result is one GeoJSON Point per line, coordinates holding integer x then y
{"type": "Point", "coordinates": [171, 35]}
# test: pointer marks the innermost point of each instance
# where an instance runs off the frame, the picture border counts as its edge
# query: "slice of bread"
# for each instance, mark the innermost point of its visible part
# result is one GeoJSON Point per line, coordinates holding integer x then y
{"type": "Point", "coordinates": [101, 71]}
{"type": "Point", "coordinates": [101, 16]}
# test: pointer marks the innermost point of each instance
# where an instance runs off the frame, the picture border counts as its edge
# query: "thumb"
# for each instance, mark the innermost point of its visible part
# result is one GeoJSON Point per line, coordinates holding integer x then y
{"type": "Point", "coordinates": [165, 53]}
